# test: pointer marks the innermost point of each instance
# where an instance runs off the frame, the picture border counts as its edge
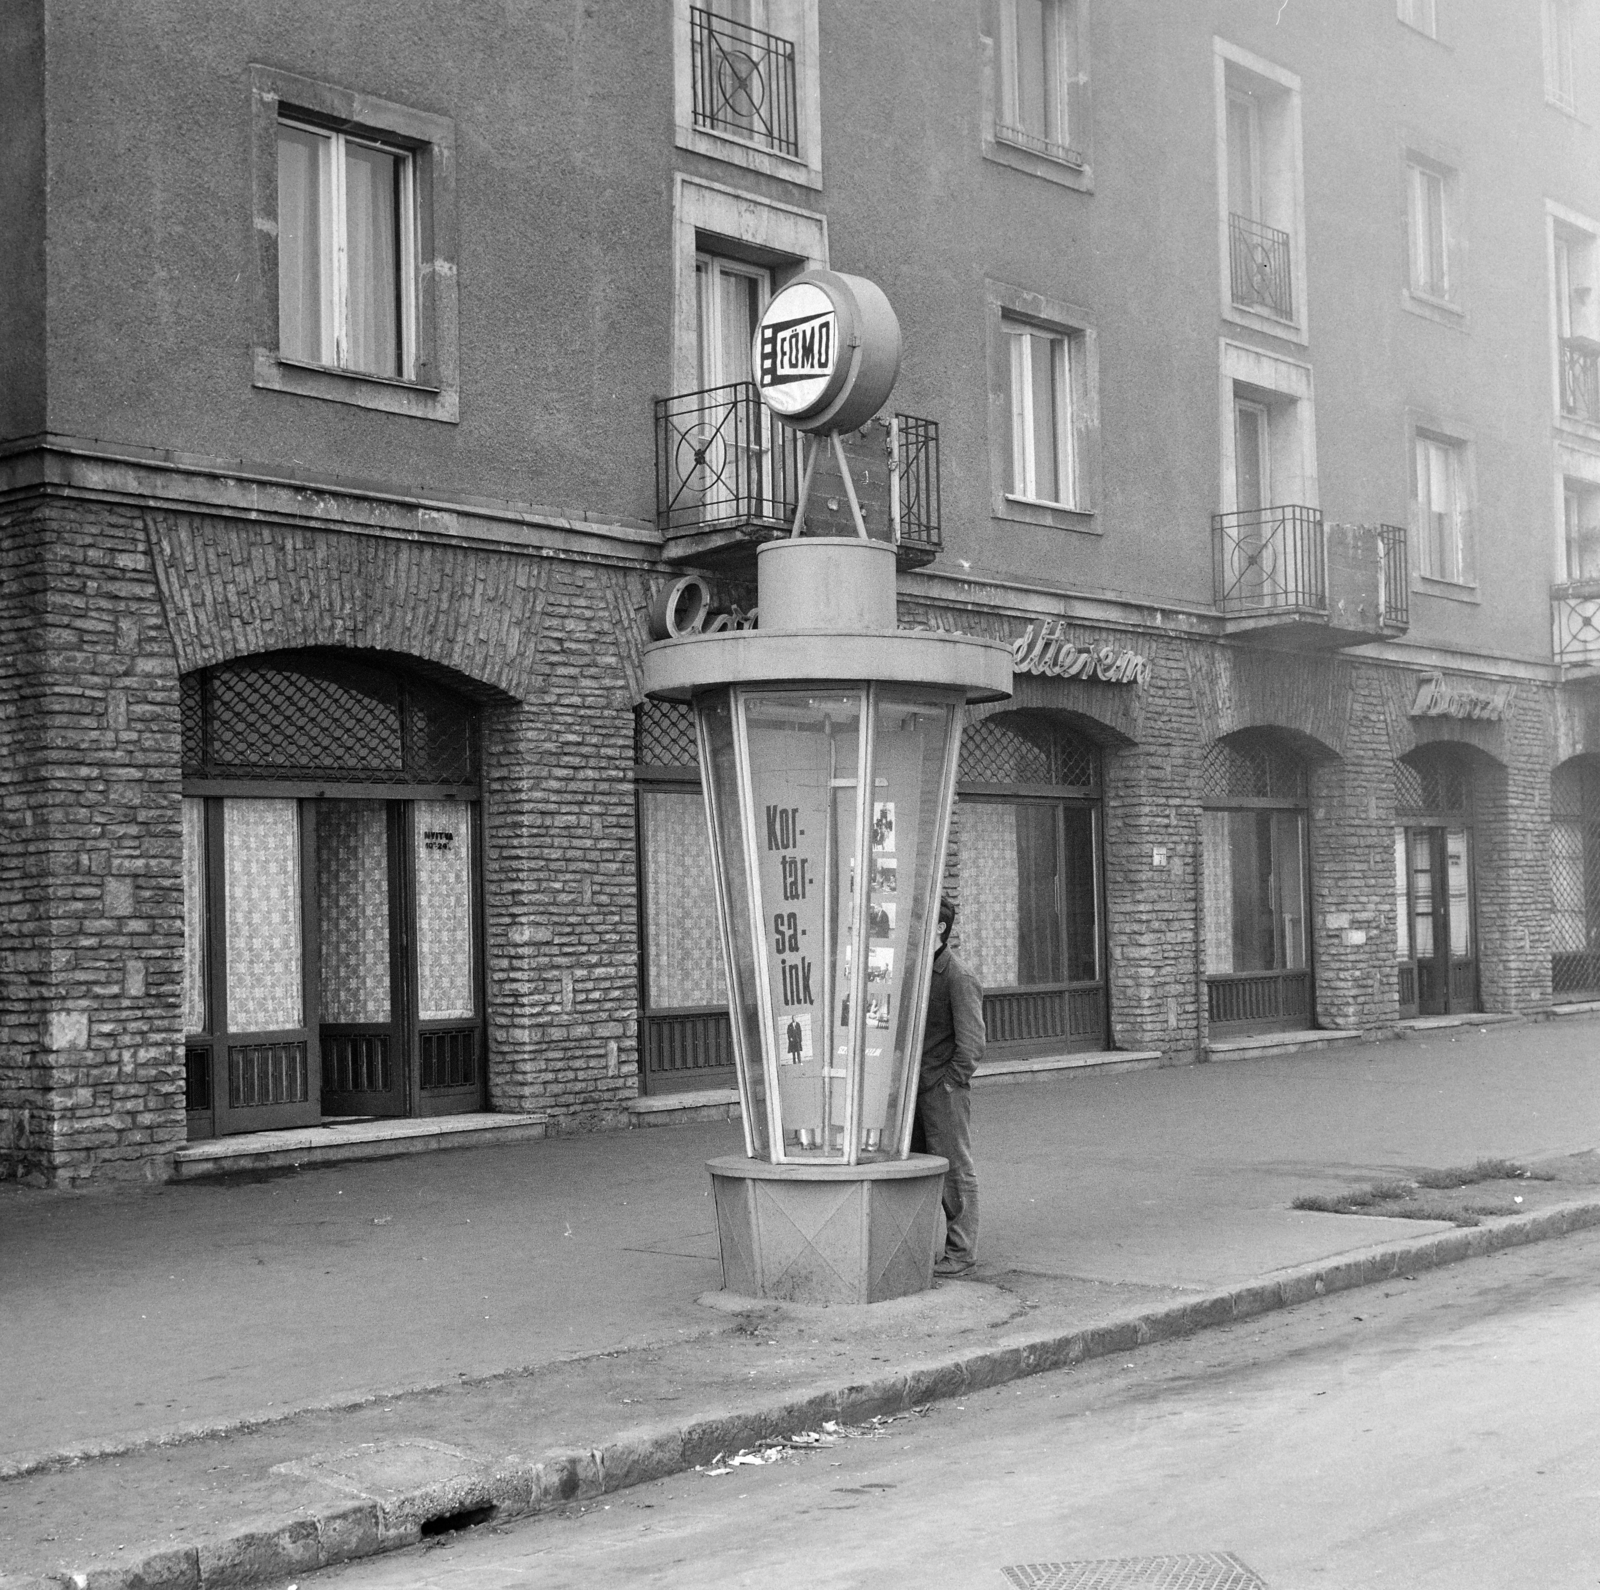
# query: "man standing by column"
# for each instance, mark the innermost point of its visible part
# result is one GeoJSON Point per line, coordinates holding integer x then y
{"type": "Point", "coordinates": [952, 1046]}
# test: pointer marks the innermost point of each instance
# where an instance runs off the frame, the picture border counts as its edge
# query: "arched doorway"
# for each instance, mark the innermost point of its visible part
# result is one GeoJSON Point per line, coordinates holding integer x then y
{"type": "Point", "coordinates": [332, 867]}
{"type": "Point", "coordinates": [1029, 863]}
{"type": "Point", "coordinates": [1254, 790]}
{"type": "Point", "coordinates": [1575, 879]}
{"type": "Point", "coordinates": [1436, 935]}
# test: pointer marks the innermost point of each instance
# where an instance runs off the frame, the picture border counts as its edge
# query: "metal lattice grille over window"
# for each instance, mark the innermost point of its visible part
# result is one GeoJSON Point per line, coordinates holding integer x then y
{"type": "Point", "coordinates": [664, 735]}
{"type": "Point", "coordinates": [744, 82]}
{"type": "Point", "coordinates": [295, 716]}
{"type": "Point", "coordinates": [1434, 786]}
{"type": "Point", "coordinates": [1252, 768]}
{"type": "Point", "coordinates": [1020, 748]}
{"type": "Point", "coordinates": [1209, 1570]}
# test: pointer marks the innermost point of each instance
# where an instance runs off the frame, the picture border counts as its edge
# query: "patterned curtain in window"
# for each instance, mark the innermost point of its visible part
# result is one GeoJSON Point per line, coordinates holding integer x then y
{"type": "Point", "coordinates": [261, 856]}
{"type": "Point", "coordinates": [684, 964]}
{"type": "Point", "coordinates": [990, 907]}
{"type": "Point", "coordinates": [194, 915]}
{"type": "Point", "coordinates": [446, 969]}
{"type": "Point", "coordinates": [353, 910]}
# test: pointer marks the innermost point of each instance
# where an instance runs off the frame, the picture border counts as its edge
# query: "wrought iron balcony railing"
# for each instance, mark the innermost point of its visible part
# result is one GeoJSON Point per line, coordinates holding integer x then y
{"type": "Point", "coordinates": [1575, 610]}
{"type": "Point", "coordinates": [1271, 560]}
{"type": "Point", "coordinates": [744, 82]}
{"type": "Point", "coordinates": [723, 463]}
{"type": "Point", "coordinates": [1580, 380]}
{"type": "Point", "coordinates": [1396, 584]}
{"type": "Point", "coordinates": [1258, 263]}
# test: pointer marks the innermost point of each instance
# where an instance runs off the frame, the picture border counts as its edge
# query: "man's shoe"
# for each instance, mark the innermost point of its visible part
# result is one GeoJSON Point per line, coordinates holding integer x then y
{"type": "Point", "coordinates": [949, 1266]}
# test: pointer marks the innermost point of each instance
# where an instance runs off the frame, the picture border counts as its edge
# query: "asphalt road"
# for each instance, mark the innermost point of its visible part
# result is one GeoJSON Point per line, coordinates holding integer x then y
{"type": "Point", "coordinates": [1442, 1431]}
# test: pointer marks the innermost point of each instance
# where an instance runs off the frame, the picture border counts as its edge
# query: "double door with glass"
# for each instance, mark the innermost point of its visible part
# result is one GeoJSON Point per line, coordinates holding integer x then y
{"type": "Point", "coordinates": [332, 964]}
{"type": "Point", "coordinates": [1436, 938]}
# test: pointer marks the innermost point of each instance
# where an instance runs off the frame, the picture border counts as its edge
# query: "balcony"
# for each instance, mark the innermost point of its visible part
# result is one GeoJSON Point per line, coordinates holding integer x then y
{"type": "Point", "coordinates": [1284, 577]}
{"type": "Point", "coordinates": [1258, 266]}
{"type": "Point", "coordinates": [728, 478]}
{"type": "Point", "coordinates": [1580, 379]}
{"type": "Point", "coordinates": [1575, 610]}
{"type": "Point", "coordinates": [744, 83]}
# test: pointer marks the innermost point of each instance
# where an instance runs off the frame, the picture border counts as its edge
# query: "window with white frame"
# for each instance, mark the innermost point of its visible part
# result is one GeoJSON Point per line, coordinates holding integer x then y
{"type": "Point", "coordinates": [1428, 211]}
{"type": "Point", "coordinates": [1038, 77]}
{"type": "Point", "coordinates": [1043, 421]}
{"type": "Point", "coordinates": [1423, 15]}
{"type": "Point", "coordinates": [1580, 539]}
{"type": "Point", "coordinates": [1443, 516]}
{"type": "Point", "coordinates": [347, 252]}
{"type": "Point", "coordinates": [1558, 20]}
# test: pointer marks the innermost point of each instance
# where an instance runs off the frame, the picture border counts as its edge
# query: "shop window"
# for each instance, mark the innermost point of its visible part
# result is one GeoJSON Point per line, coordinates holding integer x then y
{"type": "Point", "coordinates": [354, 202]}
{"type": "Point", "coordinates": [1028, 859]}
{"type": "Point", "coordinates": [333, 957]}
{"type": "Point", "coordinates": [1575, 879]}
{"type": "Point", "coordinates": [1255, 884]}
{"type": "Point", "coordinates": [687, 1037]}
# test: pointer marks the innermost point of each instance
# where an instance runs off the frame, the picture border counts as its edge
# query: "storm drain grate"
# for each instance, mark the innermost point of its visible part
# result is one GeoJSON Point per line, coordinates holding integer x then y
{"type": "Point", "coordinates": [1207, 1570]}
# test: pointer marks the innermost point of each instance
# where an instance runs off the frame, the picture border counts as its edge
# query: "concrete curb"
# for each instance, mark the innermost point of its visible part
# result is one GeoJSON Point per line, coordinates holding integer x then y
{"type": "Point", "coordinates": [515, 1487]}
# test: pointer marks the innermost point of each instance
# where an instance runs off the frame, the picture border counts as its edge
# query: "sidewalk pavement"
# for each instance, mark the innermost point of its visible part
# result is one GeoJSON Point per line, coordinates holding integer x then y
{"type": "Point", "coordinates": [227, 1383]}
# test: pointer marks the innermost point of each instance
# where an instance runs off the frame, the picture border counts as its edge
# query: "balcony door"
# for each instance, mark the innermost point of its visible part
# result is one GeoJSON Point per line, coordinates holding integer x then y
{"type": "Point", "coordinates": [733, 438]}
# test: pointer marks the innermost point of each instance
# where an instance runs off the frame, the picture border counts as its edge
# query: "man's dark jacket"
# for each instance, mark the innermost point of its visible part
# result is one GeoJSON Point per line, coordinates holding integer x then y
{"type": "Point", "coordinates": [952, 1042]}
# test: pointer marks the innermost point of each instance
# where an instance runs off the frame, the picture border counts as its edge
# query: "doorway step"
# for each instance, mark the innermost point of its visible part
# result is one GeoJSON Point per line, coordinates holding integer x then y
{"type": "Point", "coordinates": [1466, 1018]}
{"type": "Point", "coordinates": [334, 1142]}
{"type": "Point", "coordinates": [1269, 1045]}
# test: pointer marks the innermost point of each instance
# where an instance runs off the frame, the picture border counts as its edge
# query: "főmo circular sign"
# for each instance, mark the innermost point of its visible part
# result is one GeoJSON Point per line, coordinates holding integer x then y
{"type": "Point", "coordinates": [826, 352]}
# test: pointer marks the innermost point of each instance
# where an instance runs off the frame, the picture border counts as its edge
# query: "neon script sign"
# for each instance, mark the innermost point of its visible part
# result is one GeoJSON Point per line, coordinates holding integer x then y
{"type": "Point", "coordinates": [1044, 649]}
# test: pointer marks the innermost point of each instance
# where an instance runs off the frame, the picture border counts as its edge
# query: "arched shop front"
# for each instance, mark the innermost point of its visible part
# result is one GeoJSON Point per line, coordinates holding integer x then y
{"type": "Point", "coordinates": [1030, 873]}
{"type": "Point", "coordinates": [332, 893]}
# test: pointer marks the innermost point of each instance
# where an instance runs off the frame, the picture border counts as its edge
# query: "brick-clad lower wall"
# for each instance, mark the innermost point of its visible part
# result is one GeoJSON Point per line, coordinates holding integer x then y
{"type": "Point", "coordinates": [102, 608]}
{"type": "Point", "coordinates": [91, 903]}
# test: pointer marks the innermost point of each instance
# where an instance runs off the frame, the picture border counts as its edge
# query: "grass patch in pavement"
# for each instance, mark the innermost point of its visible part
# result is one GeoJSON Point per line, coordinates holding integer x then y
{"type": "Point", "coordinates": [1410, 1199]}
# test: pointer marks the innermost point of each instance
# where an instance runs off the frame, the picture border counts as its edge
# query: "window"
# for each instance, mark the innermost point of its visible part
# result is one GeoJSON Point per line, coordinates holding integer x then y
{"type": "Point", "coordinates": [1422, 15]}
{"type": "Point", "coordinates": [355, 217]}
{"type": "Point", "coordinates": [1580, 530]}
{"type": "Point", "coordinates": [745, 85]}
{"type": "Point", "coordinates": [1043, 467]}
{"type": "Point", "coordinates": [1558, 54]}
{"type": "Point", "coordinates": [1439, 492]}
{"type": "Point", "coordinates": [1044, 431]}
{"type": "Point", "coordinates": [1429, 228]}
{"type": "Point", "coordinates": [1260, 193]}
{"type": "Point", "coordinates": [347, 252]}
{"type": "Point", "coordinates": [1038, 45]}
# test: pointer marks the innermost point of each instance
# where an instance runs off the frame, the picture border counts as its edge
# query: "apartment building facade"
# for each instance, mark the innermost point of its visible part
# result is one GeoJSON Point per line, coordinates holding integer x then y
{"type": "Point", "coordinates": [374, 381]}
